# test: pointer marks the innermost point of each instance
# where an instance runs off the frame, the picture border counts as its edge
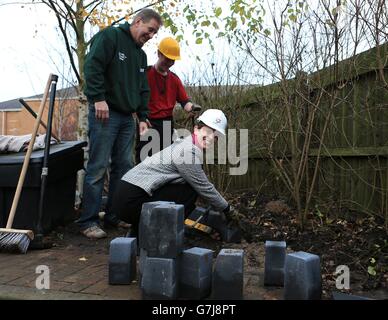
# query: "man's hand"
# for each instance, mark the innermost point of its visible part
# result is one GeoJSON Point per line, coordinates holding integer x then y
{"type": "Point", "coordinates": [188, 107]}
{"type": "Point", "coordinates": [192, 108]}
{"type": "Point", "coordinates": [143, 127]}
{"type": "Point", "coordinates": [102, 110]}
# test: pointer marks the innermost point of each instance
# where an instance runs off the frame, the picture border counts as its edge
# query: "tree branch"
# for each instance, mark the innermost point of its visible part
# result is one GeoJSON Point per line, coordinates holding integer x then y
{"type": "Point", "coordinates": [67, 44]}
{"type": "Point", "coordinates": [147, 6]}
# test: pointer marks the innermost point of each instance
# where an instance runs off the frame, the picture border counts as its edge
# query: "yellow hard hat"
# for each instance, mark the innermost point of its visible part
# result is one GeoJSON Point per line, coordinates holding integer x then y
{"type": "Point", "coordinates": [169, 47]}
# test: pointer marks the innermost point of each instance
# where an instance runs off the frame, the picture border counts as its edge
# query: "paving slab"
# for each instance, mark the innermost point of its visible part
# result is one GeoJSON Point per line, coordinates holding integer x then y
{"type": "Point", "coordinates": [79, 271]}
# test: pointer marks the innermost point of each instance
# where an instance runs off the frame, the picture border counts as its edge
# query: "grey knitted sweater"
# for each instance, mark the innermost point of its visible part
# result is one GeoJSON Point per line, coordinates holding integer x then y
{"type": "Point", "coordinates": [180, 162]}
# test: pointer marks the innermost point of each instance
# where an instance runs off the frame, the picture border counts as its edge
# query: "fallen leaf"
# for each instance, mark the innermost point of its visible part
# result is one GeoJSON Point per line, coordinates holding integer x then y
{"type": "Point", "coordinates": [83, 259]}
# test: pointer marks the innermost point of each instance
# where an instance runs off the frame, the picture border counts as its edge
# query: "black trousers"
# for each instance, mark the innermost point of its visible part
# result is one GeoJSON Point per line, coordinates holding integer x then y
{"type": "Point", "coordinates": [157, 124]}
{"type": "Point", "coordinates": [128, 200]}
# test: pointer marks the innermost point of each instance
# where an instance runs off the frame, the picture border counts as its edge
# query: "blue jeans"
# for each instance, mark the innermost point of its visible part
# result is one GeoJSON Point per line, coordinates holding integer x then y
{"type": "Point", "coordinates": [110, 143]}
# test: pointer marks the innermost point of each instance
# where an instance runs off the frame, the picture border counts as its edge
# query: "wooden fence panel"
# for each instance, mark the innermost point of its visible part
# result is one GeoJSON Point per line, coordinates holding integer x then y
{"type": "Point", "coordinates": [354, 160]}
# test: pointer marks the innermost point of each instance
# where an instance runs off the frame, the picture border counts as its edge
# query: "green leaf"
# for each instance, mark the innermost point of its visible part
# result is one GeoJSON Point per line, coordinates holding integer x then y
{"type": "Point", "coordinates": [174, 29]}
{"type": "Point", "coordinates": [198, 41]}
{"type": "Point", "coordinates": [267, 32]}
{"type": "Point", "coordinates": [218, 11]}
{"type": "Point", "coordinates": [293, 17]}
{"type": "Point", "coordinates": [215, 25]}
{"type": "Point", "coordinates": [205, 23]}
{"type": "Point", "coordinates": [233, 24]}
{"type": "Point", "coordinates": [372, 260]}
{"type": "Point", "coordinates": [372, 271]}
{"type": "Point", "coordinates": [336, 10]}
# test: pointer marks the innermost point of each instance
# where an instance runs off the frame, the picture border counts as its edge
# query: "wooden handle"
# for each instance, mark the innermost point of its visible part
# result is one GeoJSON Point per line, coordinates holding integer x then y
{"type": "Point", "coordinates": [29, 109]}
{"type": "Point", "coordinates": [15, 201]}
{"type": "Point", "coordinates": [207, 210]}
{"type": "Point", "coordinates": [197, 221]}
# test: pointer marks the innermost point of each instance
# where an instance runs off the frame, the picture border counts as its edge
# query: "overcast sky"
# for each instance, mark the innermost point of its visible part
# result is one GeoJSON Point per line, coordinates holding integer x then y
{"type": "Point", "coordinates": [24, 65]}
{"type": "Point", "coordinates": [30, 49]}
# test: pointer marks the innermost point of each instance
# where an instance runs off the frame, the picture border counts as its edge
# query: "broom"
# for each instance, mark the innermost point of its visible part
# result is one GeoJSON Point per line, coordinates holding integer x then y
{"type": "Point", "coordinates": [39, 242]}
{"type": "Point", "coordinates": [15, 240]}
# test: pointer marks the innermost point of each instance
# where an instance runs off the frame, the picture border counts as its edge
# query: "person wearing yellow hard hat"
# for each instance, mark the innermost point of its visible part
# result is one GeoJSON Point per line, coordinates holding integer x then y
{"type": "Point", "coordinates": [166, 90]}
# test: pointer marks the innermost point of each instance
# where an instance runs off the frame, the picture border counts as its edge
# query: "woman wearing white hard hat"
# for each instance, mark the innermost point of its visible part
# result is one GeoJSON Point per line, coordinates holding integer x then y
{"type": "Point", "coordinates": [173, 174]}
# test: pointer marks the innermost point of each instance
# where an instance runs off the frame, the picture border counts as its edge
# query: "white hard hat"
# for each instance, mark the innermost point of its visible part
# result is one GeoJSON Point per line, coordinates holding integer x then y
{"type": "Point", "coordinates": [214, 119]}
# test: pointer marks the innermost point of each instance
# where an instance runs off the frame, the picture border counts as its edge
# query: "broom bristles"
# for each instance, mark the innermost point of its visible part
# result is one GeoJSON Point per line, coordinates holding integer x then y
{"type": "Point", "coordinates": [13, 242]}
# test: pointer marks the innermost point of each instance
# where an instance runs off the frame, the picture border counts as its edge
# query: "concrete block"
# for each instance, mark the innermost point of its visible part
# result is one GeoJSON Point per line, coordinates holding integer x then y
{"type": "Point", "coordinates": [122, 260]}
{"type": "Point", "coordinates": [275, 256]}
{"type": "Point", "coordinates": [230, 234]}
{"type": "Point", "coordinates": [159, 279]}
{"type": "Point", "coordinates": [165, 231]}
{"type": "Point", "coordinates": [195, 276]}
{"type": "Point", "coordinates": [145, 219]}
{"type": "Point", "coordinates": [302, 276]}
{"type": "Point", "coordinates": [228, 275]}
{"type": "Point", "coordinates": [142, 257]}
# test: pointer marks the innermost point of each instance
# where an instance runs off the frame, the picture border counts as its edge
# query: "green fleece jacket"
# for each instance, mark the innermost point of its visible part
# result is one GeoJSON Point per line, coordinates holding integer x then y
{"type": "Point", "coordinates": [115, 71]}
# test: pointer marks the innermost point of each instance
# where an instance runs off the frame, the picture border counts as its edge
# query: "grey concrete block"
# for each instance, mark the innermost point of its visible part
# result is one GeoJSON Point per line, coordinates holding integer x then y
{"type": "Point", "coordinates": [122, 260]}
{"type": "Point", "coordinates": [275, 256]}
{"type": "Point", "coordinates": [165, 231]}
{"type": "Point", "coordinates": [228, 275]}
{"type": "Point", "coordinates": [145, 219]}
{"type": "Point", "coordinates": [195, 276]}
{"type": "Point", "coordinates": [230, 234]}
{"type": "Point", "coordinates": [142, 258]}
{"type": "Point", "coordinates": [302, 276]}
{"type": "Point", "coordinates": [159, 279]}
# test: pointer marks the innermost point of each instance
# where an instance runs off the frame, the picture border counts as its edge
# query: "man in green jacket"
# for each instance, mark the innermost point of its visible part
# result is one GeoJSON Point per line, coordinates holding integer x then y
{"type": "Point", "coordinates": [116, 87]}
